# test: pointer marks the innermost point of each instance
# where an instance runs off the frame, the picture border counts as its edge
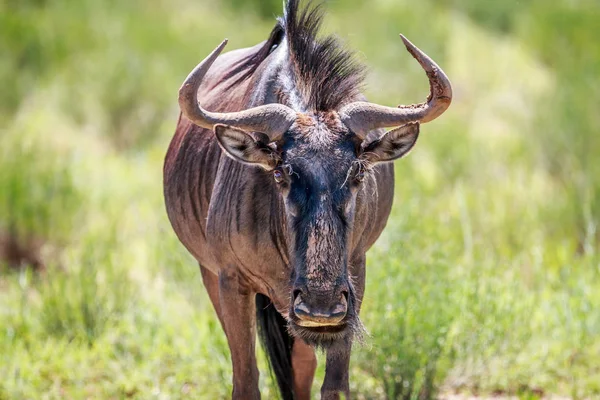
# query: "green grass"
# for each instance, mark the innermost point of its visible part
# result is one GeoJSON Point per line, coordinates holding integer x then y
{"type": "Point", "coordinates": [486, 280]}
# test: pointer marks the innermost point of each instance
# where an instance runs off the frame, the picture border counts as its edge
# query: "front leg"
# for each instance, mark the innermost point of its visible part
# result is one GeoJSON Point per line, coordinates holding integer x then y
{"type": "Point", "coordinates": [338, 356]}
{"type": "Point", "coordinates": [337, 371]}
{"type": "Point", "coordinates": [304, 364]}
{"type": "Point", "coordinates": [238, 315]}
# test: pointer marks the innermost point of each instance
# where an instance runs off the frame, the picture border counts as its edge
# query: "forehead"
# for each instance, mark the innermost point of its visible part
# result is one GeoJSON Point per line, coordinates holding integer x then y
{"type": "Point", "coordinates": [319, 152]}
{"type": "Point", "coordinates": [318, 138]}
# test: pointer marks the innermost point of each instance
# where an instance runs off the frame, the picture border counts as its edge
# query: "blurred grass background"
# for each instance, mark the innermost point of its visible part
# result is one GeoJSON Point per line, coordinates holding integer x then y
{"type": "Point", "coordinates": [486, 281]}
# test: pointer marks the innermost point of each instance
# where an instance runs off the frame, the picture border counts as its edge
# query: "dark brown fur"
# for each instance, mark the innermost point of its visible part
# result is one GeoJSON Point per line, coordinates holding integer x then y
{"type": "Point", "coordinates": [234, 220]}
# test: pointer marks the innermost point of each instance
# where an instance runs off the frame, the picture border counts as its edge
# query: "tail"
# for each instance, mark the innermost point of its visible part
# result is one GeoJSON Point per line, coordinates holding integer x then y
{"type": "Point", "coordinates": [277, 344]}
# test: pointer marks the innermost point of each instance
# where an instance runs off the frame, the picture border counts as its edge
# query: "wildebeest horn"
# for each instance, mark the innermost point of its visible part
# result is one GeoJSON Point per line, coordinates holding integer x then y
{"type": "Point", "coordinates": [271, 119]}
{"type": "Point", "coordinates": [362, 117]}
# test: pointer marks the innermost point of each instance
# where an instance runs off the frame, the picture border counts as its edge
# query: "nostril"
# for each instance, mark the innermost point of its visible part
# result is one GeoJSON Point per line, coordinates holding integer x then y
{"type": "Point", "coordinates": [345, 294]}
{"type": "Point", "coordinates": [296, 293]}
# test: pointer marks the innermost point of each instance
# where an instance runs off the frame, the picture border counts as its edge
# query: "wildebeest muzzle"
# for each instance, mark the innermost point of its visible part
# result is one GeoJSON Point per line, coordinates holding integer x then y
{"type": "Point", "coordinates": [316, 307]}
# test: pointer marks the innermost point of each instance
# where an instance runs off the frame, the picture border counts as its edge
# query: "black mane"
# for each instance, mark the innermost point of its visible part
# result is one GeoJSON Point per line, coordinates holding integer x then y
{"type": "Point", "coordinates": [325, 74]}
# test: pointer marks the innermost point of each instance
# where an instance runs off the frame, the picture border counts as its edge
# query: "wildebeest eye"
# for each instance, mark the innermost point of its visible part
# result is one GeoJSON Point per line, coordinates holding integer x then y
{"type": "Point", "coordinates": [360, 175]}
{"type": "Point", "coordinates": [278, 176]}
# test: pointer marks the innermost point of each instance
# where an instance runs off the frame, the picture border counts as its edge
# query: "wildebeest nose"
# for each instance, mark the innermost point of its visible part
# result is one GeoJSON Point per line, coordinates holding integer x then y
{"type": "Point", "coordinates": [319, 312]}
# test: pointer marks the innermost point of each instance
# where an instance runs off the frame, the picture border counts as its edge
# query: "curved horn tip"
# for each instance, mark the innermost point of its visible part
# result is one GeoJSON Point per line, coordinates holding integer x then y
{"type": "Point", "coordinates": [216, 52]}
{"type": "Point", "coordinates": [220, 47]}
{"type": "Point", "coordinates": [406, 42]}
{"type": "Point", "coordinates": [412, 49]}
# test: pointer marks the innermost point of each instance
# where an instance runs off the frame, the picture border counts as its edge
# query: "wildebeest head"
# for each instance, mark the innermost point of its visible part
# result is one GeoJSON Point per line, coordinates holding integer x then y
{"type": "Point", "coordinates": [318, 167]}
{"type": "Point", "coordinates": [319, 161]}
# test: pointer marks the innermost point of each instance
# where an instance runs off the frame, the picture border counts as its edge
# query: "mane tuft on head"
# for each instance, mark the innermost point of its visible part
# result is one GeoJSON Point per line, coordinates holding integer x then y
{"type": "Point", "coordinates": [327, 74]}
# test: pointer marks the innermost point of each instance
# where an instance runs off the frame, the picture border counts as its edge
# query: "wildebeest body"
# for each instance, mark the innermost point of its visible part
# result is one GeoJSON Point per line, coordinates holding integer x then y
{"type": "Point", "coordinates": [294, 228]}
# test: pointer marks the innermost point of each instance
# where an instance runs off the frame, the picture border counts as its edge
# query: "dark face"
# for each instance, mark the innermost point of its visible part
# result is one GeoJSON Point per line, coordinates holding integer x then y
{"type": "Point", "coordinates": [318, 179]}
{"type": "Point", "coordinates": [318, 169]}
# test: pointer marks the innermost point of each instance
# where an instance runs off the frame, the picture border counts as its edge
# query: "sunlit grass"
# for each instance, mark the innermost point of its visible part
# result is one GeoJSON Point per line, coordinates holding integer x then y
{"type": "Point", "coordinates": [486, 280]}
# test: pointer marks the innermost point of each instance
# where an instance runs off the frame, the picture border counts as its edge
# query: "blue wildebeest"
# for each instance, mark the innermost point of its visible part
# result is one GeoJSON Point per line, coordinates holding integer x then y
{"type": "Point", "coordinates": [281, 189]}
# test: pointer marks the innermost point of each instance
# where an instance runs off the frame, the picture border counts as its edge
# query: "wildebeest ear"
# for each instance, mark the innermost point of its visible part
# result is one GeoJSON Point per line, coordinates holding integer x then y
{"type": "Point", "coordinates": [243, 147]}
{"type": "Point", "coordinates": [393, 145]}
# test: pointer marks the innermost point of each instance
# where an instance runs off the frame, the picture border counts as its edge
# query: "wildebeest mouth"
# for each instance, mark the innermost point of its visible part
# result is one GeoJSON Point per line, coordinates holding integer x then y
{"type": "Point", "coordinates": [321, 336]}
{"type": "Point", "coordinates": [325, 336]}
